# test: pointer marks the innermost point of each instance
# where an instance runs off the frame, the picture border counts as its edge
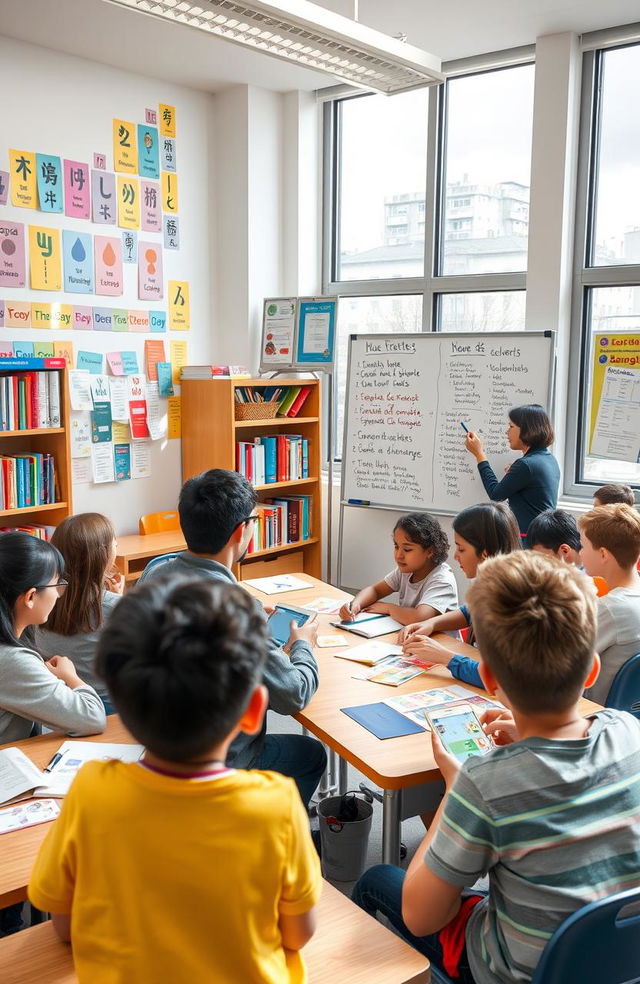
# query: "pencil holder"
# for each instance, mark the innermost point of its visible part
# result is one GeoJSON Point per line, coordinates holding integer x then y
{"type": "Point", "coordinates": [256, 411]}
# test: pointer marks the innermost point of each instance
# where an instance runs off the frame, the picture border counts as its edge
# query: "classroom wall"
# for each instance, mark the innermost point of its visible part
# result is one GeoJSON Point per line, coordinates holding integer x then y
{"type": "Point", "coordinates": [65, 105]}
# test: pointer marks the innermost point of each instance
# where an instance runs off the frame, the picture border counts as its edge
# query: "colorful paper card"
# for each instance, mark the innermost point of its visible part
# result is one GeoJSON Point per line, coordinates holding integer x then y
{"type": "Point", "coordinates": [40, 315]}
{"type": "Point", "coordinates": [101, 423]}
{"type": "Point", "coordinates": [137, 408]}
{"type": "Point", "coordinates": [91, 361]}
{"type": "Point", "coordinates": [100, 392]}
{"type": "Point", "coordinates": [12, 256]}
{"type": "Point", "coordinates": [80, 389]}
{"type": "Point", "coordinates": [77, 258]}
{"type": "Point", "coordinates": [157, 321]}
{"type": "Point", "coordinates": [24, 183]}
{"type": "Point", "coordinates": [168, 152]}
{"type": "Point", "coordinates": [122, 462]}
{"type": "Point", "coordinates": [103, 197]}
{"type": "Point", "coordinates": [61, 316]}
{"type": "Point", "coordinates": [80, 435]}
{"type": "Point", "coordinates": [64, 350]}
{"type": "Point", "coordinates": [83, 318]}
{"type": "Point", "coordinates": [130, 363]}
{"type": "Point", "coordinates": [156, 412]}
{"type": "Point", "coordinates": [167, 120]}
{"type": "Point", "coordinates": [130, 246]}
{"type": "Point", "coordinates": [102, 463]}
{"type": "Point", "coordinates": [81, 472]}
{"type": "Point", "coordinates": [165, 384]}
{"type": "Point", "coordinates": [138, 321]}
{"type": "Point", "coordinates": [149, 271]}
{"type": "Point", "coordinates": [43, 350]}
{"type": "Point", "coordinates": [17, 314]}
{"type": "Point", "coordinates": [171, 231]}
{"type": "Point", "coordinates": [140, 459]}
{"type": "Point", "coordinates": [174, 417]}
{"type": "Point", "coordinates": [50, 188]}
{"type": "Point", "coordinates": [125, 147]}
{"type": "Point", "coordinates": [8, 350]}
{"type": "Point", "coordinates": [114, 361]}
{"type": "Point", "coordinates": [148, 152]}
{"type": "Point", "coordinates": [44, 258]}
{"type": "Point", "coordinates": [100, 162]}
{"type": "Point", "coordinates": [77, 201]}
{"type": "Point", "coordinates": [150, 214]}
{"type": "Point", "coordinates": [178, 360]}
{"type": "Point", "coordinates": [128, 203]}
{"type": "Point", "coordinates": [119, 388]}
{"type": "Point", "coordinates": [108, 262]}
{"type": "Point", "coordinates": [4, 187]}
{"type": "Point", "coordinates": [120, 430]}
{"type": "Point", "coordinates": [23, 350]}
{"type": "Point", "coordinates": [153, 354]}
{"type": "Point", "coordinates": [169, 192]}
{"type": "Point", "coordinates": [120, 319]}
{"type": "Point", "coordinates": [179, 306]}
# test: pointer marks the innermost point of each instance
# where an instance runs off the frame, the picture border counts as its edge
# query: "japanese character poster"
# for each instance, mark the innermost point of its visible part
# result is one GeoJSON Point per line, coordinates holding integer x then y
{"type": "Point", "coordinates": [130, 246]}
{"type": "Point", "coordinates": [76, 190]}
{"type": "Point", "coordinates": [24, 183]}
{"type": "Point", "coordinates": [150, 215]}
{"type": "Point", "coordinates": [148, 151]}
{"type": "Point", "coordinates": [167, 120]}
{"type": "Point", "coordinates": [169, 192]}
{"type": "Point", "coordinates": [49, 178]}
{"type": "Point", "coordinates": [171, 228]}
{"type": "Point", "coordinates": [44, 258]}
{"type": "Point", "coordinates": [103, 197]}
{"type": "Point", "coordinates": [128, 203]}
{"type": "Point", "coordinates": [108, 262]}
{"type": "Point", "coordinates": [12, 258]}
{"type": "Point", "coordinates": [77, 257]}
{"type": "Point", "coordinates": [179, 306]}
{"type": "Point", "coordinates": [168, 152]}
{"type": "Point", "coordinates": [125, 147]}
{"type": "Point", "coordinates": [149, 271]}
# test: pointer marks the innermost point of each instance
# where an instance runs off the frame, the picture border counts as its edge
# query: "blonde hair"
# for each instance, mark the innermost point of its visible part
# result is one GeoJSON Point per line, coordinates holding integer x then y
{"type": "Point", "coordinates": [616, 528]}
{"type": "Point", "coordinates": [535, 622]}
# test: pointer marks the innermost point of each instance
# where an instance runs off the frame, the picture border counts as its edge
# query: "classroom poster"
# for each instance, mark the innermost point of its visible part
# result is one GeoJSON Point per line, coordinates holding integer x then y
{"type": "Point", "coordinates": [168, 150]}
{"type": "Point", "coordinates": [122, 462]}
{"type": "Point", "coordinates": [43, 350]}
{"type": "Point", "coordinates": [108, 263]}
{"type": "Point", "coordinates": [148, 151]}
{"type": "Point", "coordinates": [91, 361]}
{"type": "Point", "coordinates": [178, 358]}
{"type": "Point", "coordinates": [140, 459]}
{"type": "Point", "coordinates": [101, 422]}
{"type": "Point", "coordinates": [153, 354]}
{"type": "Point", "coordinates": [4, 187]}
{"type": "Point", "coordinates": [158, 321]}
{"type": "Point", "coordinates": [278, 330]}
{"type": "Point", "coordinates": [614, 430]}
{"type": "Point", "coordinates": [82, 318]}
{"type": "Point", "coordinates": [119, 319]}
{"type": "Point", "coordinates": [17, 314]}
{"type": "Point", "coordinates": [150, 214]}
{"type": "Point", "coordinates": [64, 350]}
{"type": "Point", "coordinates": [12, 255]}
{"type": "Point", "coordinates": [125, 147]}
{"type": "Point", "coordinates": [61, 316]}
{"type": "Point", "coordinates": [174, 416]}
{"type": "Point", "coordinates": [49, 180]}
{"type": "Point", "coordinates": [80, 389]}
{"type": "Point", "coordinates": [102, 463]}
{"type": "Point", "coordinates": [130, 363]}
{"type": "Point", "coordinates": [179, 306]}
{"type": "Point", "coordinates": [44, 258]}
{"type": "Point", "coordinates": [119, 390]}
{"type": "Point", "coordinates": [121, 431]}
{"type": "Point", "coordinates": [169, 192]}
{"type": "Point", "coordinates": [167, 120]}
{"type": "Point", "coordinates": [23, 180]}
{"type": "Point", "coordinates": [77, 202]}
{"type": "Point", "coordinates": [40, 314]}
{"type": "Point", "coordinates": [171, 231]}
{"type": "Point", "coordinates": [128, 203]}
{"type": "Point", "coordinates": [114, 361]}
{"type": "Point", "coordinates": [315, 338]}
{"type": "Point", "coordinates": [137, 408]}
{"type": "Point", "coordinates": [138, 321]}
{"type": "Point", "coordinates": [156, 412]}
{"type": "Point", "coordinates": [149, 271]}
{"type": "Point", "coordinates": [103, 197]}
{"type": "Point", "coordinates": [165, 385]}
{"type": "Point", "coordinates": [20, 350]}
{"type": "Point", "coordinates": [80, 435]}
{"type": "Point", "coordinates": [81, 472]}
{"type": "Point", "coordinates": [77, 256]}
{"type": "Point", "coordinates": [130, 246]}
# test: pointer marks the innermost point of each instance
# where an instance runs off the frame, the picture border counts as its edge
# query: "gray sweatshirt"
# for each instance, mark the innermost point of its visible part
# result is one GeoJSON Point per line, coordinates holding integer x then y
{"type": "Point", "coordinates": [30, 693]}
{"type": "Point", "coordinates": [291, 680]}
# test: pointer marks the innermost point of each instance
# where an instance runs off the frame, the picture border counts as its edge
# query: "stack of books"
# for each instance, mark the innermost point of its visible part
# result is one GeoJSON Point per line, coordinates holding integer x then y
{"type": "Point", "coordinates": [275, 458]}
{"type": "Point", "coordinates": [282, 520]}
{"type": "Point", "coordinates": [29, 400]}
{"type": "Point", "coordinates": [28, 479]}
{"type": "Point", "coordinates": [41, 532]}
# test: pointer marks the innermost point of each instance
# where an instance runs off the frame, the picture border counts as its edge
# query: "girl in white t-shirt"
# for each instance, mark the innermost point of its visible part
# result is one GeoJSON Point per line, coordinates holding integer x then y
{"type": "Point", "coordinates": [426, 585]}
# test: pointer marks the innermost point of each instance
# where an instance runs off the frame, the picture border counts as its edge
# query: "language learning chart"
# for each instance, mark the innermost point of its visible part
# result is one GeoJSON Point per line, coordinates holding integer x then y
{"type": "Point", "coordinates": [408, 398]}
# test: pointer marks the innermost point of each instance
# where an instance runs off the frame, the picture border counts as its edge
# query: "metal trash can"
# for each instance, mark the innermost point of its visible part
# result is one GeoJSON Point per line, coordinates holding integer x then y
{"type": "Point", "coordinates": [344, 841]}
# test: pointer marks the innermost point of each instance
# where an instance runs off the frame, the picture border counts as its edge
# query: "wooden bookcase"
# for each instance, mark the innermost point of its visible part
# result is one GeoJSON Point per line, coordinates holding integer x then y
{"type": "Point", "coordinates": [209, 435]}
{"type": "Point", "coordinates": [54, 440]}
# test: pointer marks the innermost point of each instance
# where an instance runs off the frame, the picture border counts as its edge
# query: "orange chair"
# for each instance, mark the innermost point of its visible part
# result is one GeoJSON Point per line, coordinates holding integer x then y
{"type": "Point", "coordinates": [159, 522]}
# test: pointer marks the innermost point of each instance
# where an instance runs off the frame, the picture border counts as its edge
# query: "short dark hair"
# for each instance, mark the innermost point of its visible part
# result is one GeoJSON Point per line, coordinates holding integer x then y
{"type": "Point", "coordinates": [180, 658]}
{"type": "Point", "coordinates": [535, 427]}
{"type": "Point", "coordinates": [607, 495]}
{"type": "Point", "coordinates": [489, 527]}
{"type": "Point", "coordinates": [26, 562]}
{"type": "Point", "coordinates": [211, 506]}
{"type": "Point", "coordinates": [552, 528]}
{"type": "Point", "coordinates": [425, 530]}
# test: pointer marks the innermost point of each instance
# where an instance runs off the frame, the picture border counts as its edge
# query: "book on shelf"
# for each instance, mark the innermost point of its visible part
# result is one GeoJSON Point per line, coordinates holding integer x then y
{"type": "Point", "coordinates": [280, 522]}
{"type": "Point", "coordinates": [27, 479]}
{"type": "Point", "coordinates": [41, 532]}
{"type": "Point", "coordinates": [290, 398]}
{"type": "Point", "coordinates": [215, 372]}
{"type": "Point", "coordinates": [29, 400]}
{"type": "Point", "coordinates": [273, 458]}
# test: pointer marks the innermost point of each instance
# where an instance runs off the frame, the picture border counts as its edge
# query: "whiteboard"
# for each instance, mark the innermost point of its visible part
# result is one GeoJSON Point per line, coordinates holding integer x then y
{"type": "Point", "coordinates": [406, 398]}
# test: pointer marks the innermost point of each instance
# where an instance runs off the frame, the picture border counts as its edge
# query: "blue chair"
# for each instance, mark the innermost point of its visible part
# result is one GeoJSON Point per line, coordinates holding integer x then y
{"type": "Point", "coordinates": [624, 694]}
{"type": "Point", "coordinates": [156, 562]}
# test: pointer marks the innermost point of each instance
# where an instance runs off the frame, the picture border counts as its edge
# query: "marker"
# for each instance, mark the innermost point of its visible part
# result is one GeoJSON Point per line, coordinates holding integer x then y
{"type": "Point", "coordinates": [54, 761]}
{"type": "Point", "coordinates": [464, 427]}
{"type": "Point", "coordinates": [358, 502]}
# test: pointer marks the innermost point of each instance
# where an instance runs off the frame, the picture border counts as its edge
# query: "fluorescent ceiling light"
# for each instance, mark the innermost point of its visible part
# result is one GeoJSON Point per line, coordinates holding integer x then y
{"type": "Point", "coordinates": [305, 34]}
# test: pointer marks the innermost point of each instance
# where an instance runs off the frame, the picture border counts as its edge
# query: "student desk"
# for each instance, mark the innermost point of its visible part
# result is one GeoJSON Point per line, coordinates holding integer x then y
{"type": "Point", "coordinates": [348, 946]}
{"type": "Point", "coordinates": [134, 552]}
{"type": "Point", "coordinates": [18, 849]}
{"type": "Point", "coordinates": [401, 767]}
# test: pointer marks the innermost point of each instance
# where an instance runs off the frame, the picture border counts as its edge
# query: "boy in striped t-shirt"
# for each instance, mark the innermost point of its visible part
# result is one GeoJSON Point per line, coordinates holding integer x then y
{"type": "Point", "coordinates": [552, 815]}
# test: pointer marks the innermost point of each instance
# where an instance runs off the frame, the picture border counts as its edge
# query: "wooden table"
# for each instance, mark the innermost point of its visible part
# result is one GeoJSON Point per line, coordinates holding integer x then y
{"type": "Point", "coordinates": [134, 552]}
{"type": "Point", "coordinates": [348, 946]}
{"type": "Point", "coordinates": [18, 849]}
{"type": "Point", "coordinates": [402, 767]}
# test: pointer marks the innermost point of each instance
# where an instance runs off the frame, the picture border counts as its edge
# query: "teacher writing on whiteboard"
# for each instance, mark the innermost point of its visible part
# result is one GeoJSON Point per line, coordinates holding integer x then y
{"type": "Point", "coordinates": [531, 483]}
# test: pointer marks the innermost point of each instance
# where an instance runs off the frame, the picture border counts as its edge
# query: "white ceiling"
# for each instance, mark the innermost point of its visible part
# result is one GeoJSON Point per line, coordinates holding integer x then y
{"type": "Point", "coordinates": [105, 33]}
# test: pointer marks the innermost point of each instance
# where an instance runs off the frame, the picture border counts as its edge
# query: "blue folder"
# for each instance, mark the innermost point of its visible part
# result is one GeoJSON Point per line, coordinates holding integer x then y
{"type": "Point", "coordinates": [382, 721]}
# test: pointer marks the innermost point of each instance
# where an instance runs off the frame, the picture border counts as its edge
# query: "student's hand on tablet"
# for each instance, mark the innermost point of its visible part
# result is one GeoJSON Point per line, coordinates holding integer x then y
{"type": "Point", "coordinates": [427, 650]}
{"type": "Point", "coordinates": [269, 609]}
{"type": "Point", "coordinates": [308, 632]}
{"type": "Point", "coordinates": [498, 722]}
{"type": "Point", "coordinates": [349, 610]}
{"type": "Point", "coordinates": [447, 763]}
{"type": "Point", "coordinates": [422, 629]}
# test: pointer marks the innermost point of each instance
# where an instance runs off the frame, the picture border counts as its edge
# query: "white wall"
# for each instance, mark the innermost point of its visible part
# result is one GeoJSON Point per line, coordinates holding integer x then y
{"type": "Point", "coordinates": [62, 105]}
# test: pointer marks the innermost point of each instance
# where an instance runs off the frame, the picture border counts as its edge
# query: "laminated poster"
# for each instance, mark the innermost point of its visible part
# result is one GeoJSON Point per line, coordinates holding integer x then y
{"type": "Point", "coordinates": [179, 306]}
{"type": "Point", "coordinates": [169, 192]}
{"type": "Point", "coordinates": [122, 462]}
{"type": "Point", "coordinates": [149, 271]}
{"type": "Point", "coordinates": [80, 436]}
{"type": "Point", "coordinates": [153, 354]}
{"type": "Point", "coordinates": [148, 151]}
{"type": "Point", "coordinates": [165, 384]}
{"type": "Point", "coordinates": [77, 202]}
{"type": "Point", "coordinates": [278, 329]}
{"type": "Point", "coordinates": [12, 255]}
{"type": "Point", "coordinates": [168, 152]}
{"type": "Point", "coordinates": [128, 203]}
{"type": "Point", "coordinates": [167, 120]}
{"type": "Point", "coordinates": [44, 258]}
{"type": "Point", "coordinates": [80, 389]}
{"type": "Point", "coordinates": [50, 186]}
{"type": "Point", "coordinates": [103, 198]}
{"type": "Point", "coordinates": [125, 147]}
{"type": "Point", "coordinates": [77, 255]}
{"type": "Point", "coordinates": [91, 361]}
{"type": "Point", "coordinates": [102, 463]}
{"type": "Point", "coordinates": [150, 213]}
{"type": "Point", "coordinates": [171, 230]}
{"type": "Point", "coordinates": [23, 179]}
{"type": "Point", "coordinates": [119, 399]}
{"type": "Point", "coordinates": [108, 261]}
{"type": "Point", "coordinates": [83, 318]}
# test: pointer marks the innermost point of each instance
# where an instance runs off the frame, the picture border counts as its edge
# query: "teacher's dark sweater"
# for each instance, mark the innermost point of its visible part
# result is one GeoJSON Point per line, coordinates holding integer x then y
{"type": "Point", "coordinates": [530, 485]}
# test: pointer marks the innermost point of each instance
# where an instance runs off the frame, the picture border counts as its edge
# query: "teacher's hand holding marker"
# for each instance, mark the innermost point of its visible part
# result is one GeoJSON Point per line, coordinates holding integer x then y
{"type": "Point", "coordinates": [531, 482]}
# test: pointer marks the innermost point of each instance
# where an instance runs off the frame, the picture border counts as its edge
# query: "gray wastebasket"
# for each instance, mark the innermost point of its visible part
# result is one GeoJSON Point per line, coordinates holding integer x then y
{"type": "Point", "coordinates": [344, 842]}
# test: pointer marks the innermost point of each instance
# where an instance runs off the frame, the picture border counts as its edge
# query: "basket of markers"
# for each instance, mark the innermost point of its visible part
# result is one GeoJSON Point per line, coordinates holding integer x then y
{"type": "Point", "coordinates": [251, 404]}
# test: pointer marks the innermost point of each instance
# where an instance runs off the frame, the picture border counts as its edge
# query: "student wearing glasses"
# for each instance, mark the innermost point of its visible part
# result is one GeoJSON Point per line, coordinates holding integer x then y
{"type": "Point", "coordinates": [32, 692]}
{"type": "Point", "coordinates": [217, 515]}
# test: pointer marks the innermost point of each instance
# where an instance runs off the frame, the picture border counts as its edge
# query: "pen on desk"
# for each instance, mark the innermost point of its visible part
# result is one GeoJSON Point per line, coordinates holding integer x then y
{"type": "Point", "coordinates": [464, 427]}
{"type": "Point", "coordinates": [54, 761]}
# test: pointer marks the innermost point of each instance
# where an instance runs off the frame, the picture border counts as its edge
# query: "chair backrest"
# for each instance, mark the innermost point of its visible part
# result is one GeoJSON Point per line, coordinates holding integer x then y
{"type": "Point", "coordinates": [154, 563]}
{"type": "Point", "coordinates": [624, 693]}
{"type": "Point", "coordinates": [593, 944]}
{"type": "Point", "coordinates": [159, 522]}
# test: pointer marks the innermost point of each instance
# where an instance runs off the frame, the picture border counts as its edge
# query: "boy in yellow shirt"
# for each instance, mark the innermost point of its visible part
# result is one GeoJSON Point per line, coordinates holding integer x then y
{"type": "Point", "coordinates": [176, 868]}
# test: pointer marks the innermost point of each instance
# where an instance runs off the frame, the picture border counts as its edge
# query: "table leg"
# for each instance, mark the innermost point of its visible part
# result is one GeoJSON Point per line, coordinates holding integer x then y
{"type": "Point", "coordinates": [328, 785]}
{"type": "Point", "coordinates": [343, 776]}
{"type": "Point", "coordinates": [391, 826]}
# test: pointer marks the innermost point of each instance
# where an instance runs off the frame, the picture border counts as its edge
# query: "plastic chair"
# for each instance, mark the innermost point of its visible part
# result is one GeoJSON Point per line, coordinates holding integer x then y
{"type": "Point", "coordinates": [154, 563]}
{"type": "Point", "coordinates": [159, 522]}
{"type": "Point", "coordinates": [624, 693]}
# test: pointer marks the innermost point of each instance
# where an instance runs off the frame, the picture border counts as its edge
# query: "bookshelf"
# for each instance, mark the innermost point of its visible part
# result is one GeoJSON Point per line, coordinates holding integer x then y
{"type": "Point", "coordinates": [209, 435]}
{"type": "Point", "coordinates": [54, 440]}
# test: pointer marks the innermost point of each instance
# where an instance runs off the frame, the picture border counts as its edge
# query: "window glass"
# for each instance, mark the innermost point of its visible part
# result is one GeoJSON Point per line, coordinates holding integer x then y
{"type": "Point", "coordinates": [382, 179]}
{"type": "Point", "coordinates": [497, 310]}
{"type": "Point", "coordinates": [487, 172]}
